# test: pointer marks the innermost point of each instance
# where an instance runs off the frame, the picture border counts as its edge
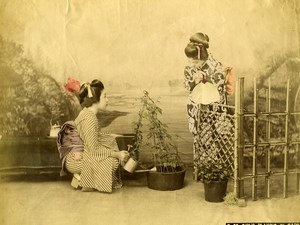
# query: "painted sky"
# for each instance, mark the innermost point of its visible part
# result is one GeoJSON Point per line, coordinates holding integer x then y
{"type": "Point", "coordinates": [142, 42]}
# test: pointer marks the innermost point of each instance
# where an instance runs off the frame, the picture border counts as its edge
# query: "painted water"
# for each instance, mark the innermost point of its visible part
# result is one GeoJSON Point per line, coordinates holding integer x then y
{"type": "Point", "coordinates": [174, 115]}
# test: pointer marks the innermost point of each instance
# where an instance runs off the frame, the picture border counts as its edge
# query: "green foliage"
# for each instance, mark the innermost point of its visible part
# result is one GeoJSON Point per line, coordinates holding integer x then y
{"type": "Point", "coordinates": [230, 199]}
{"type": "Point", "coordinates": [163, 148]}
{"type": "Point", "coordinates": [30, 98]}
{"type": "Point", "coordinates": [213, 171]}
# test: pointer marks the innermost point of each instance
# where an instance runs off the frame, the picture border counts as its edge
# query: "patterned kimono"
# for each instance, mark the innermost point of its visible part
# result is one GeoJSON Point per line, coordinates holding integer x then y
{"type": "Point", "coordinates": [95, 165]}
{"type": "Point", "coordinates": [201, 122]}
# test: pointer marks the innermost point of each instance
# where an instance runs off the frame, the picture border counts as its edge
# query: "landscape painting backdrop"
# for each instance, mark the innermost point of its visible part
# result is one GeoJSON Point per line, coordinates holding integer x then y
{"type": "Point", "coordinates": [134, 46]}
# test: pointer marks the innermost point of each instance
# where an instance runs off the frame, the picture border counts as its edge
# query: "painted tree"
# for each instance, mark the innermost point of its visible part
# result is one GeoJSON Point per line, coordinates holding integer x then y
{"type": "Point", "coordinates": [30, 97]}
{"type": "Point", "coordinates": [278, 70]}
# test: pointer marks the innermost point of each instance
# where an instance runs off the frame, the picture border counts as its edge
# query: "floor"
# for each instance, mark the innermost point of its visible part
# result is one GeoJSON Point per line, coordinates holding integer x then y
{"type": "Point", "coordinates": [49, 200]}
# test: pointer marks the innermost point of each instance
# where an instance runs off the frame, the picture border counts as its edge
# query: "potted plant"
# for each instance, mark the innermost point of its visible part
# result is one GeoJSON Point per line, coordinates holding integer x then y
{"type": "Point", "coordinates": [214, 174]}
{"type": "Point", "coordinates": [168, 171]}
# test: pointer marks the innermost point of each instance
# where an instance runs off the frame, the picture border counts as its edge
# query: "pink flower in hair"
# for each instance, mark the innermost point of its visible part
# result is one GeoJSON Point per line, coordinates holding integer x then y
{"type": "Point", "coordinates": [72, 86]}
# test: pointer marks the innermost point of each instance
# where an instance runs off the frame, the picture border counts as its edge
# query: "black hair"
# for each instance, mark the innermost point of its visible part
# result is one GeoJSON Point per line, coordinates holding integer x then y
{"type": "Point", "coordinates": [200, 38]}
{"type": "Point", "coordinates": [96, 87]}
{"type": "Point", "coordinates": [191, 51]}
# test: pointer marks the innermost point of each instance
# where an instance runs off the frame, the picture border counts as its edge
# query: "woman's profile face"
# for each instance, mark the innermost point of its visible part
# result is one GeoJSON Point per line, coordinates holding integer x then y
{"type": "Point", "coordinates": [196, 62]}
{"type": "Point", "coordinates": [103, 100]}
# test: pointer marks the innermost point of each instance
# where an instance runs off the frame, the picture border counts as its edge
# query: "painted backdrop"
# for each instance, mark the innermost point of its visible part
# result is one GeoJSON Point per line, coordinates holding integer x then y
{"type": "Point", "coordinates": [132, 46]}
{"type": "Point", "coordinates": [126, 43]}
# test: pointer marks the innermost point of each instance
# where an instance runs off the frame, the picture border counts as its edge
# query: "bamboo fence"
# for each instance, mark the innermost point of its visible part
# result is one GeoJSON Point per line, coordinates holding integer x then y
{"type": "Point", "coordinates": [231, 147]}
{"type": "Point", "coordinates": [289, 144]}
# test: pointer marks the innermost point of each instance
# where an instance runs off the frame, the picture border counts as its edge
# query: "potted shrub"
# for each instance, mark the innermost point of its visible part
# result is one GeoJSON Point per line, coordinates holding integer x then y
{"type": "Point", "coordinates": [168, 171]}
{"type": "Point", "coordinates": [214, 175]}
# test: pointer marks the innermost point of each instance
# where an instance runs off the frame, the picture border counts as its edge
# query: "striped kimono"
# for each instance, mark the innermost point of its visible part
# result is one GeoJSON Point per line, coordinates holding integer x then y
{"type": "Point", "coordinates": [95, 165]}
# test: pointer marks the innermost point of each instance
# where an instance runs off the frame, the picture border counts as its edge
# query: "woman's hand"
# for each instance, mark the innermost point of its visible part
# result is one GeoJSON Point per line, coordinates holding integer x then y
{"type": "Point", "coordinates": [122, 156]}
{"type": "Point", "coordinates": [199, 77]}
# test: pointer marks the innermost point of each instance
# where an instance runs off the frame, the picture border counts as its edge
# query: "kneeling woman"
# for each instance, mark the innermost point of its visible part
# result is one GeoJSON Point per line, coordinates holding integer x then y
{"type": "Point", "coordinates": [99, 161]}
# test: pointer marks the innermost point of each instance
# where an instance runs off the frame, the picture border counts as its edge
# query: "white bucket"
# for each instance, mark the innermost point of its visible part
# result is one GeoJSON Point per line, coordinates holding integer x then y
{"type": "Point", "coordinates": [131, 165]}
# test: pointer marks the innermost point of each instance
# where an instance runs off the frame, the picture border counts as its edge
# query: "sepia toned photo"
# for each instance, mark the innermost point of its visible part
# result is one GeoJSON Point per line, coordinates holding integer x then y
{"type": "Point", "coordinates": [148, 112]}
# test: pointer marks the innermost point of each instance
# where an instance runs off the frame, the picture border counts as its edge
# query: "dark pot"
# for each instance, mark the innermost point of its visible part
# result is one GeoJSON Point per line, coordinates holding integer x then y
{"type": "Point", "coordinates": [124, 140]}
{"type": "Point", "coordinates": [215, 191]}
{"type": "Point", "coordinates": [165, 181]}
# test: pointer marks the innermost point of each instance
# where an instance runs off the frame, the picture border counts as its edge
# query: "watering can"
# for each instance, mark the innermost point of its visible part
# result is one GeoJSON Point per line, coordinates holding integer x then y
{"type": "Point", "coordinates": [131, 164]}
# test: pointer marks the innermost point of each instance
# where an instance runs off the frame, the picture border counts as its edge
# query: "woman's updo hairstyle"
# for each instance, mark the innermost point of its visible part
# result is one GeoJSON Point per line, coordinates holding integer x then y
{"type": "Point", "coordinates": [200, 38]}
{"type": "Point", "coordinates": [199, 43]}
{"type": "Point", "coordinates": [90, 93]}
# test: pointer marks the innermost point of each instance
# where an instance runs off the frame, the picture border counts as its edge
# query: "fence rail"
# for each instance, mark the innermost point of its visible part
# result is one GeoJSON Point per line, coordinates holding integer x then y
{"type": "Point", "coordinates": [289, 145]}
{"type": "Point", "coordinates": [257, 151]}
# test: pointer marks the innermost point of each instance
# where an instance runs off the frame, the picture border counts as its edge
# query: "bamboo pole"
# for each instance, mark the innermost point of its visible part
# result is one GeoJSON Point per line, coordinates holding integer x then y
{"type": "Point", "coordinates": [298, 175]}
{"type": "Point", "coordinates": [268, 137]}
{"type": "Point", "coordinates": [247, 176]}
{"type": "Point", "coordinates": [278, 113]}
{"type": "Point", "coordinates": [254, 155]}
{"type": "Point", "coordinates": [297, 148]}
{"type": "Point", "coordinates": [271, 113]}
{"type": "Point", "coordinates": [287, 138]}
{"type": "Point", "coordinates": [271, 143]}
{"type": "Point", "coordinates": [236, 140]}
{"type": "Point", "coordinates": [239, 139]}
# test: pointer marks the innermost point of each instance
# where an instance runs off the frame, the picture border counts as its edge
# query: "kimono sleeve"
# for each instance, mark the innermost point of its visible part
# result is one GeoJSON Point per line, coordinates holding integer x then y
{"type": "Point", "coordinates": [90, 130]}
{"type": "Point", "coordinates": [189, 81]}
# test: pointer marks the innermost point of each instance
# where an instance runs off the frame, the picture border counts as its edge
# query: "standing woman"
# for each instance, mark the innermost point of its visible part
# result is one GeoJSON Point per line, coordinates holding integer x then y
{"type": "Point", "coordinates": [208, 76]}
{"type": "Point", "coordinates": [98, 162]}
